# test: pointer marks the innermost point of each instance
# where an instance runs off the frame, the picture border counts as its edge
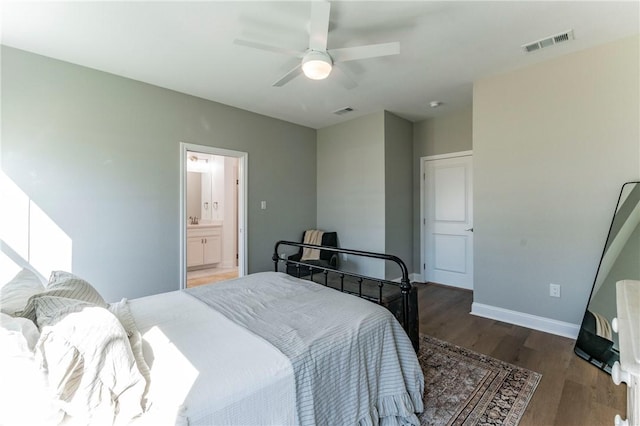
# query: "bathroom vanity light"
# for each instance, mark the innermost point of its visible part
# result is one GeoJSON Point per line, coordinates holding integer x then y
{"type": "Point", "coordinates": [199, 165]}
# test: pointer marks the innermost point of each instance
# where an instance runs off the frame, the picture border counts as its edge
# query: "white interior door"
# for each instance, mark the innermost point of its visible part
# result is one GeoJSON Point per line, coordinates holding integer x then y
{"type": "Point", "coordinates": [448, 221]}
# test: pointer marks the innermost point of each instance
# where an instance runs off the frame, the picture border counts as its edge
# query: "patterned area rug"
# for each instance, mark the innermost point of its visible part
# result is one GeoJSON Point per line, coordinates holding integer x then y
{"type": "Point", "coordinates": [463, 387]}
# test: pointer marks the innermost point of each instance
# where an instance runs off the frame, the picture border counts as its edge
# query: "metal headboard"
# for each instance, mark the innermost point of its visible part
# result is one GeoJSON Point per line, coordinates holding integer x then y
{"type": "Point", "coordinates": [404, 284]}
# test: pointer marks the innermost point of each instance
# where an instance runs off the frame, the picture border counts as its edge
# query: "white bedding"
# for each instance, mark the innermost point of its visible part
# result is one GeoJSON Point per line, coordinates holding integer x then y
{"type": "Point", "coordinates": [201, 363]}
{"type": "Point", "coordinates": [267, 349]}
{"type": "Point", "coordinates": [234, 359]}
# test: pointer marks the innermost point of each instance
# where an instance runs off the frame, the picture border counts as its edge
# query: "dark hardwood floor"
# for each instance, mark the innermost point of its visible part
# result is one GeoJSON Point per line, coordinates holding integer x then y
{"type": "Point", "coordinates": [571, 392]}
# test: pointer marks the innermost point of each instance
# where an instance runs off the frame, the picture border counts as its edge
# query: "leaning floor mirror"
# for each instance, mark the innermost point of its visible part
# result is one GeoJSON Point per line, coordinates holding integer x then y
{"type": "Point", "coordinates": [597, 342]}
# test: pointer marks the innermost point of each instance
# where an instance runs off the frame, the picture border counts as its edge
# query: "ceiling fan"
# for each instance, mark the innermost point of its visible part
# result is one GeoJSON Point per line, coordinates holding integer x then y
{"type": "Point", "coordinates": [317, 61]}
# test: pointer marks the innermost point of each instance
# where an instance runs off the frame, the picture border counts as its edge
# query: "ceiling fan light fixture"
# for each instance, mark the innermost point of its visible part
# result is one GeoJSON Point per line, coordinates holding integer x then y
{"type": "Point", "coordinates": [317, 65]}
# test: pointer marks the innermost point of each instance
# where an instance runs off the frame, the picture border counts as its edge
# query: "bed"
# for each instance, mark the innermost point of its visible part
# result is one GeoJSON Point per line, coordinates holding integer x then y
{"type": "Point", "coordinates": [267, 348]}
{"type": "Point", "coordinates": [399, 297]}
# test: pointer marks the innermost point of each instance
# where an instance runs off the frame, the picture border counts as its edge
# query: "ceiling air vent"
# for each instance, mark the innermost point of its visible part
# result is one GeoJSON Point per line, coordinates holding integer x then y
{"type": "Point", "coordinates": [343, 111]}
{"type": "Point", "coordinates": [548, 41]}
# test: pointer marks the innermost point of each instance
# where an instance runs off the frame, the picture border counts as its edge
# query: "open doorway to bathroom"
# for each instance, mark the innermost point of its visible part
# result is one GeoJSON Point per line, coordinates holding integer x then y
{"type": "Point", "coordinates": [213, 215]}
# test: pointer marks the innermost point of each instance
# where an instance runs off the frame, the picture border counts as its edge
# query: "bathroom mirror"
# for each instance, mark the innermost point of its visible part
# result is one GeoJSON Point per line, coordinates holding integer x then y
{"type": "Point", "coordinates": [211, 180]}
{"type": "Point", "coordinates": [199, 195]}
{"type": "Point", "coordinates": [597, 343]}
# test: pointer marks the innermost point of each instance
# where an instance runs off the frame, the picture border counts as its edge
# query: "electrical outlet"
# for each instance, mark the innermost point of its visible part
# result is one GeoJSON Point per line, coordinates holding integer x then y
{"type": "Point", "coordinates": [554, 290]}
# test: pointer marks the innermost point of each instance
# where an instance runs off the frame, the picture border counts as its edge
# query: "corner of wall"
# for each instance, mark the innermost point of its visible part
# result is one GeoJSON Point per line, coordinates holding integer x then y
{"type": "Point", "coordinates": [547, 325]}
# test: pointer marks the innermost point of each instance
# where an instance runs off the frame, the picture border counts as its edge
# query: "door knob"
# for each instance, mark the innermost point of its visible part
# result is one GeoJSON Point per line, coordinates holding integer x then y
{"type": "Point", "coordinates": [618, 375]}
{"type": "Point", "coordinates": [470, 229]}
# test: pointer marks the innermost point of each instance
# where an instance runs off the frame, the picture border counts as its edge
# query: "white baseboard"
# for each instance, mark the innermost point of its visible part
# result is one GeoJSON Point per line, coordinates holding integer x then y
{"type": "Point", "coordinates": [227, 264]}
{"type": "Point", "coordinates": [414, 276]}
{"type": "Point", "coordinates": [547, 325]}
{"type": "Point", "coordinates": [399, 279]}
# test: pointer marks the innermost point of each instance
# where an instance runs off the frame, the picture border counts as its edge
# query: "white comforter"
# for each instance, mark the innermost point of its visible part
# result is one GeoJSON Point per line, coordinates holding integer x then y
{"type": "Point", "coordinates": [276, 350]}
{"type": "Point", "coordinates": [208, 370]}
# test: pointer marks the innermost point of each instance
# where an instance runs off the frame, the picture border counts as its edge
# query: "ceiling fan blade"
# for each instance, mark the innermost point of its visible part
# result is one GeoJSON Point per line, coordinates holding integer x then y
{"type": "Point", "coordinates": [267, 47]}
{"type": "Point", "coordinates": [319, 25]}
{"type": "Point", "coordinates": [289, 76]}
{"type": "Point", "coordinates": [363, 52]}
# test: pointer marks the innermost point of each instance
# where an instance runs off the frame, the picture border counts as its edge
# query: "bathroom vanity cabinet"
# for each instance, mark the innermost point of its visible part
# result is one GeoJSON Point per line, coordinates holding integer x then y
{"type": "Point", "coordinates": [204, 245]}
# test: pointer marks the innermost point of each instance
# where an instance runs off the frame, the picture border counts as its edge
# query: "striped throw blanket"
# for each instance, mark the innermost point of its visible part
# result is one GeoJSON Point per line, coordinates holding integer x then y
{"type": "Point", "coordinates": [312, 236]}
{"type": "Point", "coordinates": [603, 328]}
{"type": "Point", "coordinates": [353, 362]}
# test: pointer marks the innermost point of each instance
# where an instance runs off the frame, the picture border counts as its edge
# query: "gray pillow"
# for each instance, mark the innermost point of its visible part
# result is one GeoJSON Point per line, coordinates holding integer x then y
{"type": "Point", "coordinates": [67, 285]}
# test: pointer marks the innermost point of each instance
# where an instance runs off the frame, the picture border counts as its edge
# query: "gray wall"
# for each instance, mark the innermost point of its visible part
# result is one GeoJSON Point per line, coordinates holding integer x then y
{"type": "Point", "coordinates": [436, 136]}
{"type": "Point", "coordinates": [364, 188]}
{"type": "Point", "coordinates": [99, 154]}
{"type": "Point", "coordinates": [443, 135]}
{"type": "Point", "coordinates": [552, 145]}
{"type": "Point", "coordinates": [351, 187]}
{"type": "Point", "coordinates": [398, 141]}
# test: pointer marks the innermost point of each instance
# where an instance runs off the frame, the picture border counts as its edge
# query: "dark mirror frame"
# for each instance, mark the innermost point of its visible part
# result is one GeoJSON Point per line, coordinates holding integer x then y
{"type": "Point", "coordinates": [596, 342]}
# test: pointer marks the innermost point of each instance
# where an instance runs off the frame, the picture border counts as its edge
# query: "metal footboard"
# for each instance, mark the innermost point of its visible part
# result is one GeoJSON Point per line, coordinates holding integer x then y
{"type": "Point", "coordinates": [344, 281]}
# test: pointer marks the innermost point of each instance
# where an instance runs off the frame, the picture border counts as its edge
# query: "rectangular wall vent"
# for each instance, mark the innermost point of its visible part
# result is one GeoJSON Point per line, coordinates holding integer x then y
{"type": "Point", "coordinates": [343, 111]}
{"type": "Point", "coordinates": [548, 41]}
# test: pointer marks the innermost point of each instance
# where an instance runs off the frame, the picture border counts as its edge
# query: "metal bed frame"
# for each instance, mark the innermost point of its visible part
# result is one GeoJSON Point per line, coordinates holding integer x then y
{"type": "Point", "coordinates": [407, 291]}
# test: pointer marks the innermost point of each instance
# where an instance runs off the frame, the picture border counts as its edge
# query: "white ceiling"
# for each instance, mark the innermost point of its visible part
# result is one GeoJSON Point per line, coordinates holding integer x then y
{"type": "Point", "coordinates": [188, 47]}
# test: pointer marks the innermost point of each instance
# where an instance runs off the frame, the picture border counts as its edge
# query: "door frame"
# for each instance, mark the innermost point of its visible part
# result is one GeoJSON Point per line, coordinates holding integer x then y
{"type": "Point", "coordinates": [423, 215]}
{"type": "Point", "coordinates": [243, 161]}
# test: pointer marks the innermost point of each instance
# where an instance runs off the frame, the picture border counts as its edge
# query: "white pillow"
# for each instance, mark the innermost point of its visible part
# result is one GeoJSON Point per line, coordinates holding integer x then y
{"type": "Point", "coordinates": [15, 294]}
{"type": "Point", "coordinates": [91, 368]}
{"type": "Point", "coordinates": [67, 285]}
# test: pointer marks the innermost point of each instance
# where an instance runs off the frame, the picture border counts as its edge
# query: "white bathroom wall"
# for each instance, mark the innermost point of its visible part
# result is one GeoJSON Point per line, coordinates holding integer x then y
{"type": "Point", "coordinates": [230, 211]}
{"type": "Point", "coordinates": [219, 189]}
